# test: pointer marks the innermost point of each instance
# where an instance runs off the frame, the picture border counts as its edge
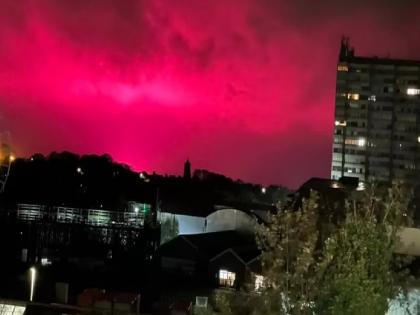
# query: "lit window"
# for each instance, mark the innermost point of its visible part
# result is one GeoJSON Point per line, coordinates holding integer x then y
{"type": "Point", "coordinates": [341, 123]}
{"type": "Point", "coordinates": [418, 139]}
{"type": "Point", "coordinates": [372, 98]}
{"type": "Point", "coordinates": [259, 282]}
{"type": "Point", "coordinates": [413, 91]}
{"type": "Point", "coordinates": [361, 186]}
{"type": "Point", "coordinates": [45, 261]}
{"type": "Point", "coordinates": [335, 185]}
{"type": "Point", "coordinates": [342, 68]}
{"type": "Point", "coordinates": [361, 142]}
{"type": "Point", "coordinates": [226, 278]}
{"type": "Point", "coordinates": [353, 96]}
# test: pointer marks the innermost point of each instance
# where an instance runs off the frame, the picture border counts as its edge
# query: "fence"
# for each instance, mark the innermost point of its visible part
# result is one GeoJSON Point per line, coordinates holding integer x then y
{"type": "Point", "coordinates": [95, 217]}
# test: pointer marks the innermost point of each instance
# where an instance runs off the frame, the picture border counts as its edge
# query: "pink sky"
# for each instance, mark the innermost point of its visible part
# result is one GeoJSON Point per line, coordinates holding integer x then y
{"type": "Point", "coordinates": [244, 88]}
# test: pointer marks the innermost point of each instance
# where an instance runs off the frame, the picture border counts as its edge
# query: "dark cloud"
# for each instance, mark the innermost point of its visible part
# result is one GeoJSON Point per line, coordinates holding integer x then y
{"type": "Point", "coordinates": [244, 87]}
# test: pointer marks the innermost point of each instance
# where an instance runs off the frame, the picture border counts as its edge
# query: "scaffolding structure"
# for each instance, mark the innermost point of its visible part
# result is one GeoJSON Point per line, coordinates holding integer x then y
{"type": "Point", "coordinates": [90, 217]}
{"type": "Point", "coordinates": [48, 231]}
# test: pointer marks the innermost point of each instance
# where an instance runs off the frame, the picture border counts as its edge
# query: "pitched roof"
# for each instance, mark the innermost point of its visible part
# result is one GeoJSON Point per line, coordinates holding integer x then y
{"type": "Point", "coordinates": [216, 242]}
{"type": "Point", "coordinates": [204, 210]}
{"type": "Point", "coordinates": [208, 245]}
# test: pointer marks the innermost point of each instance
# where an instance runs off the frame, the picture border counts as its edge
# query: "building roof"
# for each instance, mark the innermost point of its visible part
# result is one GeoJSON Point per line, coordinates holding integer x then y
{"type": "Point", "coordinates": [189, 209]}
{"type": "Point", "coordinates": [347, 54]}
{"type": "Point", "coordinates": [204, 211]}
{"type": "Point", "coordinates": [180, 248]}
{"type": "Point", "coordinates": [208, 245]}
{"type": "Point", "coordinates": [216, 242]}
{"type": "Point", "coordinates": [245, 255]}
{"type": "Point", "coordinates": [381, 61]}
{"type": "Point", "coordinates": [52, 309]}
{"type": "Point", "coordinates": [326, 185]}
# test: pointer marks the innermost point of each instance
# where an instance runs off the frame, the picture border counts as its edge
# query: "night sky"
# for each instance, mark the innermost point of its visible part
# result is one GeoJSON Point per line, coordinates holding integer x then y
{"type": "Point", "coordinates": [245, 88]}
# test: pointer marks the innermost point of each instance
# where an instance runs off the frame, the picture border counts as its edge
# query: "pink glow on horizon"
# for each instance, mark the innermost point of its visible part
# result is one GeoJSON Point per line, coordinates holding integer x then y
{"type": "Point", "coordinates": [245, 88]}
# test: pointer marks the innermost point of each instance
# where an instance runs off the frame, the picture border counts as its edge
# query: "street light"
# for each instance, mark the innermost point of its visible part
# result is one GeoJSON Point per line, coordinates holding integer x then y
{"type": "Point", "coordinates": [33, 279]}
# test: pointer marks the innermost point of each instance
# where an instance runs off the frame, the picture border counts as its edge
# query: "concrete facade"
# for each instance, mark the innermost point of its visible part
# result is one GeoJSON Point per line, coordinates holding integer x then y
{"type": "Point", "coordinates": [377, 122]}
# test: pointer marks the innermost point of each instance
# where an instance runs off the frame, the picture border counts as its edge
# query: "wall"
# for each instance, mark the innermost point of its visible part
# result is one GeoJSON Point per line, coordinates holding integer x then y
{"type": "Point", "coordinates": [409, 242]}
{"type": "Point", "coordinates": [229, 219]}
{"type": "Point", "coordinates": [220, 220]}
{"type": "Point", "coordinates": [187, 224]}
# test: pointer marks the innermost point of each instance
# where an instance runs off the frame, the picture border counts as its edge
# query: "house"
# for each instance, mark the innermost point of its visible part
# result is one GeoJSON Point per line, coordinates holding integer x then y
{"type": "Point", "coordinates": [210, 260]}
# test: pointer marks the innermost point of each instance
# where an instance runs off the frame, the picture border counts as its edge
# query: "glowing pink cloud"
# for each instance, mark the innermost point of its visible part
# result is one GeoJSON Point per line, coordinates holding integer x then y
{"type": "Point", "coordinates": [244, 88]}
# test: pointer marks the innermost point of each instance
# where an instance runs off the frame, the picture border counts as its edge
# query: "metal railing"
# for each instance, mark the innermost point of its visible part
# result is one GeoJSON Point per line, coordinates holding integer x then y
{"type": "Point", "coordinates": [95, 217]}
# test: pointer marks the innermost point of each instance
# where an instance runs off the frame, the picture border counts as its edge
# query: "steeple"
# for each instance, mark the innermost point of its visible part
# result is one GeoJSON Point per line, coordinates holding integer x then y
{"type": "Point", "coordinates": [187, 169]}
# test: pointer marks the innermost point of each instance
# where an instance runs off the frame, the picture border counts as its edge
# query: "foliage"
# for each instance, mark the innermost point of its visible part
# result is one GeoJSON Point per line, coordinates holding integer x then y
{"type": "Point", "coordinates": [169, 229]}
{"type": "Point", "coordinates": [103, 183]}
{"type": "Point", "coordinates": [349, 268]}
{"type": "Point", "coordinates": [289, 255]}
{"type": "Point", "coordinates": [359, 271]}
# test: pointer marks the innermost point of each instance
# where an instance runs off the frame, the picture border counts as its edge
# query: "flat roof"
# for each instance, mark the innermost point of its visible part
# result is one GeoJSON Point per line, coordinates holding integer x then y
{"type": "Point", "coordinates": [381, 61]}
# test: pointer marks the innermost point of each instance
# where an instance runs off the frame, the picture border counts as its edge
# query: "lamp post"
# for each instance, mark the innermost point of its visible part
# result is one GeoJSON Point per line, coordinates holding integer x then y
{"type": "Point", "coordinates": [33, 280]}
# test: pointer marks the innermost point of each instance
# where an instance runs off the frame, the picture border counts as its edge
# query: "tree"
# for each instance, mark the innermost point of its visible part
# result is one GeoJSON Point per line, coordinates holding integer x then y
{"type": "Point", "coordinates": [289, 253]}
{"type": "Point", "coordinates": [360, 272]}
{"type": "Point", "coordinates": [314, 268]}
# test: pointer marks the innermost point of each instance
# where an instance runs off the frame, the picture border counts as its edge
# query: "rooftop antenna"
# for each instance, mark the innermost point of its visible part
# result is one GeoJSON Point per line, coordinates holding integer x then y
{"type": "Point", "coordinates": [345, 50]}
